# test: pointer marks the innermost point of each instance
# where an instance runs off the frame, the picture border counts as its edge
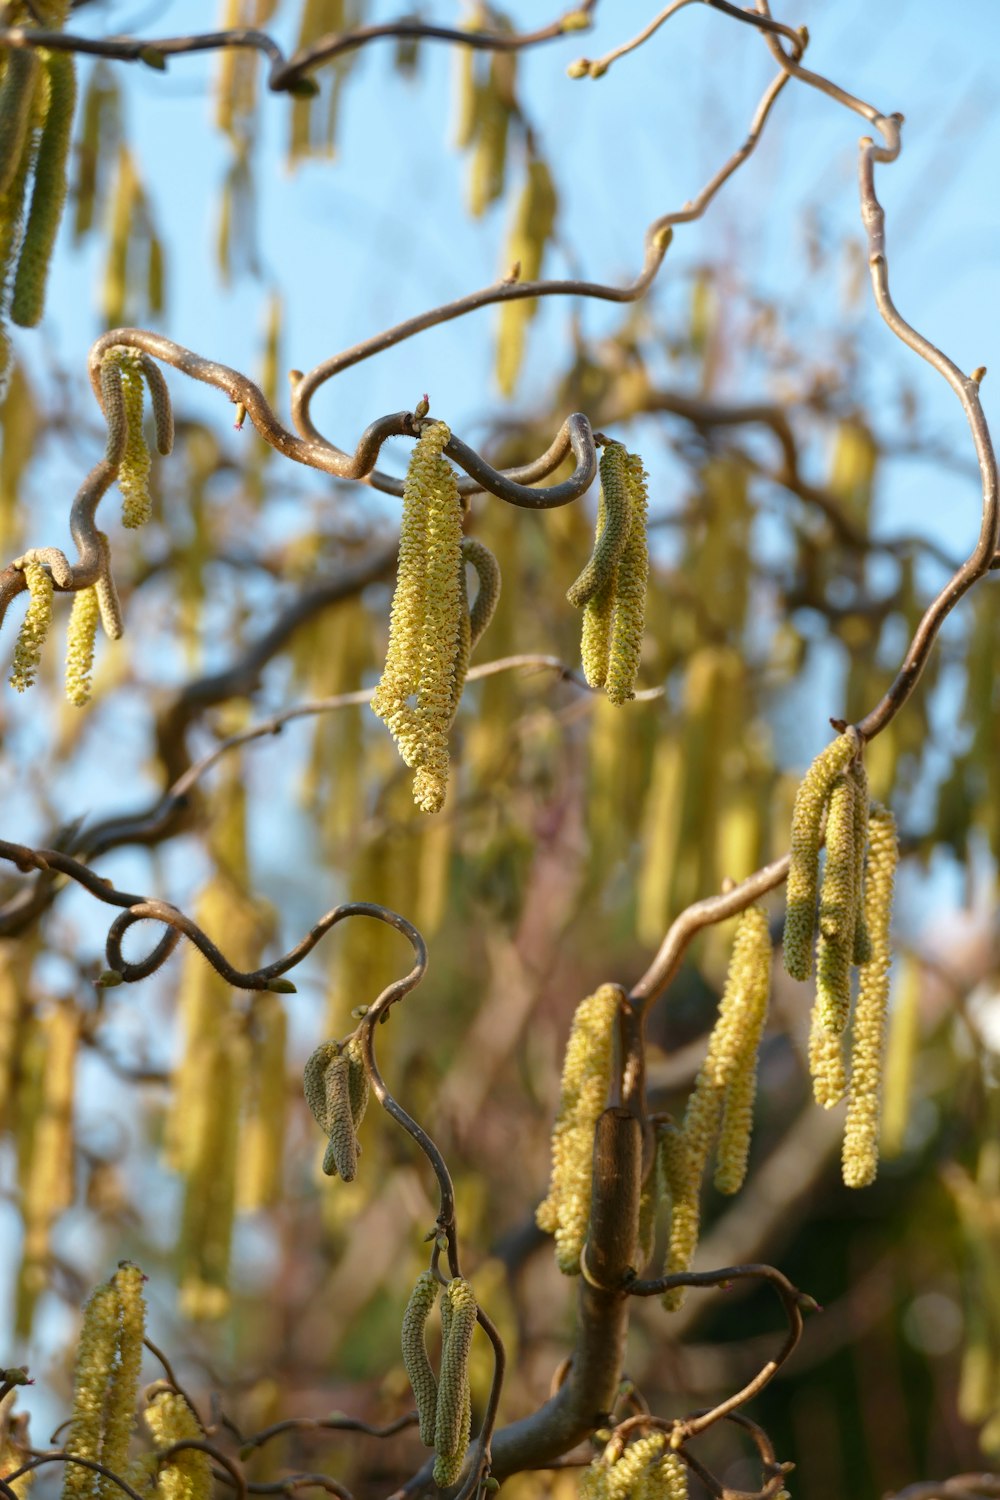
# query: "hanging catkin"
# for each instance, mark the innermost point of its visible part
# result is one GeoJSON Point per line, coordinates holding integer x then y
{"type": "Point", "coordinates": [586, 1079]}
{"type": "Point", "coordinates": [105, 1384]}
{"type": "Point", "coordinates": [34, 627]}
{"type": "Point", "coordinates": [48, 194]}
{"type": "Point", "coordinates": [452, 1422]}
{"type": "Point", "coordinates": [803, 875]}
{"type": "Point", "coordinates": [415, 1360]}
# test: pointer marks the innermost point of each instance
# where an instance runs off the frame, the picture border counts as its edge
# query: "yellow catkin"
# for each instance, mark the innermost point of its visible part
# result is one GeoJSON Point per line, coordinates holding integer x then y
{"type": "Point", "coordinates": [839, 904]}
{"type": "Point", "coordinates": [451, 1431]}
{"type": "Point", "coordinates": [48, 194]}
{"type": "Point", "coordinates": [826, 1063]}
{"type": "Point", "coordinates": [416, 696]}
{"type": "Point", "coordinates": [862, 808]}
{"type": "Point", "coordinates": [803, 874]}
{"type": "Point", "coordinates": [415, 1360]}
{"type": "Point", "coordinates": [627, 1475]}
{"type": "Point", "coordinates": [133, 475]}
{"type": "Point", "coordinates": [583, 1095]}
{"type": "Point", "coordinates": [752, 953]}
{"type": "Point", "coordinates": [860, 1158]}
{"type": "Point", "coordinates": [262, 1137]}
{"type": "Point", "coordinates": [81, 635]}
{"type": "Point", "coordinates": [17, 93]}
{"type": "Point", "coordinates": [532, 229]}
{"type": "Point", "coordinates": [95, 1358]}
{"type": "Point", "coordinates": [722, 1096]}
{"type": "Point", "coordinates": [494, 107]}
{"type": "Point", "coordinates": [34, 627]}
{"type": "Point", "coordinates": [123, 1384]}
{"type": "Point", "coordinates": [630, 595]}
{"type": "Point", "coordinates": [665, 1478]}
{"type": "Point", "coordinates": [186, 1475]}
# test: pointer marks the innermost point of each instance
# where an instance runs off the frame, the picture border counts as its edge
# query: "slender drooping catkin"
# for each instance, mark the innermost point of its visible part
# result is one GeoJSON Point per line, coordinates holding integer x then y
{"type": "Point", "coordinates": [612, 531]}
{"type": "Point", "coordinates": [48, 195]}
{"type": "Point", "coordinates": [722, 1098]}
{"type": "Point", "coordinates": [532, 228]}
{"type": "Point", "coordinates": [34, 627]}
{"type": "Point", "coordinates": [860, 1159]}
{"type": "Point", "coordinates": [487, 597]}
{"type": "Point", "coordinates": [106, 1383]}
{"type": "Point", "coordinates": [451, 1425]}
{"type": "Point", "coordinates": [839, 903]}
{"type": "Point", "coordinates": [133, 475]}
{"type": "Point", "coordinates": [586, 1079]}
{"type": "Point", "coordinates": [358, 1086]}
{"type": "Point", "coordinates": [17, 95]}
{"type": "Point", "coordinates": [418, 691]}
{"type": "Point", "coordinates": [186, 1475]}
{"type": "Point", "coordinates": [341, 1158]}
{"type": "Point", "coordinates": [632, 1473]}
{"type": "Point", "coordinates": [630, 595]}
{"type": "Point", "coordinates": [159, 400]}
{"type": "Point", "coordinates": [826, 1063]}
{"type": "Point", "coordinates": [81, 634]}
{"type": "Point", "coordinates": [803, 874]}
{"type": "Point", "coordinates": [415, 1360]}
{"type": "Point", "coordinates": [862, 807]}
{"type": "Point", "coordinates": [314, 1082]}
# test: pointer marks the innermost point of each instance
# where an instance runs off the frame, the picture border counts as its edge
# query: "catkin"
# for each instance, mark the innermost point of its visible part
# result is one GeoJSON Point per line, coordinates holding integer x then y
{"type": "Point", "coordinates": [133, 475]}
{"type": "Point", "coordinates": [613, 523]}
{"type": "Point", "coordinates": [839, 902]}
{"type": "Point", "coordinates": [48, 194]}
{"type": "Point", "coordinates": [415, 1360]}
{"type": "Point", "coordinates": [106, 1383]}
{"type": "Point", "coordinates": [803, 874]}
{"type": "Point", "coordinates": [186, 1475]}
{"type": "Point", "coordinates": [630, 596]}
{"type": "Point", "coordinates": [752, 953]}
{"type": "Point", "coordinates": [34, 627]}
{"type": "Point", "coordinates": [81, 635]}
{"type": "Point", "coordinates": [487, 571]}
{"type": "Point", "coordinates": [826, 1063]}
{"type": "Point", "coordinates": [586, 1079]}
{"type": "Point", "coordinates": [418, 692]}
{"type": "Point", "coordinates": [860, 1157]}
{"type": "Point", "coordinates": [862, 808]}
{"type": "Point", "coordinates": [530, 233]}
{"type": "Point", "coordinates": [451, 1424]}
{"type": "Point", "coordinates": [17, 94]}
{"type": "Point", "coordinates": [341, 1157]}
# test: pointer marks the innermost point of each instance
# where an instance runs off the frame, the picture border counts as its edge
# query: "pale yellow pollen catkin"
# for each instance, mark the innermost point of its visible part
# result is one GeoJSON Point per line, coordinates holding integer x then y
{"type": "Point", "coordinates": [34, 627]}
{"type": "Point", "coordinates": [826, 1063]}
{"type": "Point", "coordinates": [586, 1079]}
{"type": "Point", "coordinates": [751, 976]}
{"type": "Point", "coordinates": [81, 635]}
{"type": "Point", "coordinates": [187, 1475]}
{"type": "Point", "coordinates": [105, 1383]}
{"type": "Point", "coordinates": [862, 807]}
{"type": "Point", "coordinates": [123, 1386]}
{"type": "Point", "coordinates": [803, 874]}
{"type": "Point", "coordinates": [839, 903]}
{"type": "Point", "coordinates": [415, 1360]}
{"type": "Point", "coordinates": [860, 1157]}
{"type": "Point", "coordinates": [628, 1472]}
{"type": "Point", "coordinates": [48, 194]}
{"type": "Point", "coordinates": [629, 620]}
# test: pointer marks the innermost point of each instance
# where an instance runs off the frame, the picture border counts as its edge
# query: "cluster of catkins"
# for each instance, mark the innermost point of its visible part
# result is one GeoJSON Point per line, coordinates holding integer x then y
{"type": "Point", "coordinates": [122, 374]}
{"type": "Point", "coordinates": [647, 1469]}
{"type": "Point", "coordinates": [854, 916]}
{"type": "Point", "coordinates": [432, 632]}
{"type": "Point", "coordinates": [37, 100]}
{"type": "Point", "coordinates": [105, 1390]}
{"type": "Point", "coordinates": [719, 1113]}
{"type": "Point", "coordinates": [336, 1090]}
{"type": "Point", "coordinates": [611, 590]}
{"type": "Point", "coordinates": [444, 1402]}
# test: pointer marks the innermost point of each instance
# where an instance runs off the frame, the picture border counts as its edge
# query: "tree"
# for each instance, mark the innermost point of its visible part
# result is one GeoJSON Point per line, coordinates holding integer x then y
{"type": "Point", "coordinates": [618, 833]}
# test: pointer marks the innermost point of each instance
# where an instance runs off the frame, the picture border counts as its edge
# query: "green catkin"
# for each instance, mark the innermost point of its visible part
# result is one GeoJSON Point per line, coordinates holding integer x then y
{"type": "Point", "coordinates": [113, 406]}
{"type": "Point", "coordinates": [803, 874]}
{"type": "Point", "coordinates": [415, 1360]}
{"type": "Point", "coordinates": [613, 526]}
{"type": "Point", "coordinates": [81, 636]}
{"type": "Point", "coordinates": [630, 596]}
{"type": "Point", "coordinates": [341, 1158]}
{"type": "Point", "coordinates": [358, 1086]}
{"type": "Point", "coordinates": [186, 1475]}
{"type": "Point", "coordinates": [839, 903]}
{"type": "Point", "coordinates": [159, 400]}
{"type": "Point", "coordinates": [860, 1156]}
{"type": "Point", "coordinates": [314, 1082]}
{"type": "Point", "coordinates": [586, 1078]}
{"type": "Point", "coordinates": [487, 569]}
{"type": "Point", "coordinates": [451, 1434]}
{"type": "Point", "coordinates": [34, 627]}
{"type": "Point", "coordinates": [48, 195]}
{"type": "Point", "coordinates": [17, 95]}
{"type": "Point", "coordinates": [448, 1467]}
